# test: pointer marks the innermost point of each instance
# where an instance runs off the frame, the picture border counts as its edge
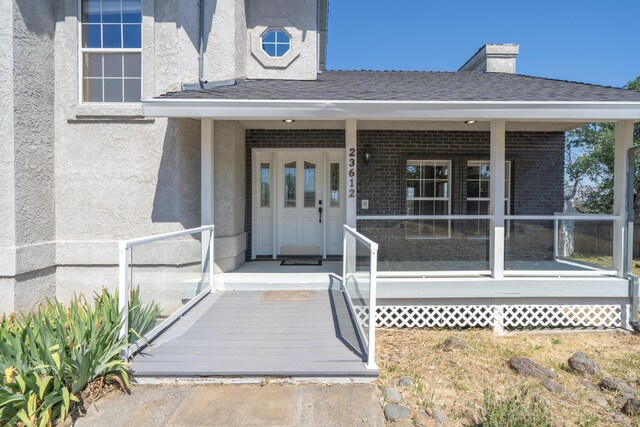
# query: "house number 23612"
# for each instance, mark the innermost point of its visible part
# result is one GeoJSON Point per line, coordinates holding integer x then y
{"type": "Point", "coordinates": [351, 171]}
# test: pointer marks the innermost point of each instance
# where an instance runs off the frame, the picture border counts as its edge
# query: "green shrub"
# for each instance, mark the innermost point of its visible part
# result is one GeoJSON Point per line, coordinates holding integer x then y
{"type": "Point", "coordinates": [516, 409]}
{"type": "Point", "coordinates": [48, 357]}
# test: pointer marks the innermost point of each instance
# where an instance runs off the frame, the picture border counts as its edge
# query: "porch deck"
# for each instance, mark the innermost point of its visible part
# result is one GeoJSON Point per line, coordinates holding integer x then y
{"type": "Point", "coordinates": [300, 333]}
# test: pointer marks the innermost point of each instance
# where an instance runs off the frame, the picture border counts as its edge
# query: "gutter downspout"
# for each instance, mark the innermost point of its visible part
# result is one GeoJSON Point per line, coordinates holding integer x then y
{"type": "Point", "coordinates": [628, 259]}
{"type": "Point", "coordinates": [201, 79]}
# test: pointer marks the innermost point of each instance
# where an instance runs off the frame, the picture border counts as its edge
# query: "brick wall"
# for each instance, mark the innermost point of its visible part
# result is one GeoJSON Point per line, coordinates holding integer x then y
{"type": "Point", "coordinates": [537, 164]}
{"type": "Point", "coordinates": [537, 167]}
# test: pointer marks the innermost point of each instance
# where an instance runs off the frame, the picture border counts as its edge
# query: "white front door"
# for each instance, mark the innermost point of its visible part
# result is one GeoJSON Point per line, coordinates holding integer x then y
{"type": "Point", "coordinates": [300, 193]}
{"type": "Point", "coordinates": [298, 202]}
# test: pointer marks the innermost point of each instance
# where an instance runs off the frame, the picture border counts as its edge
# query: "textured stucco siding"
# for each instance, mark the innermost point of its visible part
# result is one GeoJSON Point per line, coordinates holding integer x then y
{"type": "Point", "coordinates": [27, 200]}
{"type": "Point", "coordinates": [229, 194]}
{"type": "Point", "coordinates": [301, 15]}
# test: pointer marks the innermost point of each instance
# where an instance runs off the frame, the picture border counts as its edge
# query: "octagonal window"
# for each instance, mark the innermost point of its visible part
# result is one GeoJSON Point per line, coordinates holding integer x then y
{"type": "Point", "coordinates": [276, 42]}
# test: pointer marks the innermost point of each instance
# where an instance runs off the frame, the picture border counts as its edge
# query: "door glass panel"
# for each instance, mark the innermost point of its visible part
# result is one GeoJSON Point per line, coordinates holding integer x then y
{"type": "Point", "coordinates": [309, 185]}
{"type": "Point", "coordinates": [290, 185]}
{"type": "Point", "coordinates": [265, 182]}
{"type": "Point", "coordinates": [334, 178]}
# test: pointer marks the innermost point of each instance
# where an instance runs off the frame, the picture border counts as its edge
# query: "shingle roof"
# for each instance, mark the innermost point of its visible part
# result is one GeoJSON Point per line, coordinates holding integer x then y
{"type": "Point", "coordinates": [414, 86]}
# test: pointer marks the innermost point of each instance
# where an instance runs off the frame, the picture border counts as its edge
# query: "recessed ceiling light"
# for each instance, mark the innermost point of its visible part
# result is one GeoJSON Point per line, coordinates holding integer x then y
{"type": "Point", "coordinates": [288, 120]}
{"type": "Point", "coordinates": [470, 122]}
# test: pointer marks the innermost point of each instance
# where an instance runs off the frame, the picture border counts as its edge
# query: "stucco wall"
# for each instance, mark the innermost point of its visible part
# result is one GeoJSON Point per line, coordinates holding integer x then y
{"type": "Point", "coordinates": [229, 194]}
{"type": "Point", "coordinates": [27, 202]}
{"type": "Point", "coordinates": [299, 19]}
{"type": "Point", "coordinates": [81, 176]}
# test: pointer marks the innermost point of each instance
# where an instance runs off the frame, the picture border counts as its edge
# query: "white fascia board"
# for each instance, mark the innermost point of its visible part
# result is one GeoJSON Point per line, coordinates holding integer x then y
{"type": "Point", "coordinates": [391, 110]}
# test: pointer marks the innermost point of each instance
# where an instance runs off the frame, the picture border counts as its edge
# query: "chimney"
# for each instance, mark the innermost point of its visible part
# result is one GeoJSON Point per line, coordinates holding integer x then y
{"type": "Point", "coordinates": [494, 58]}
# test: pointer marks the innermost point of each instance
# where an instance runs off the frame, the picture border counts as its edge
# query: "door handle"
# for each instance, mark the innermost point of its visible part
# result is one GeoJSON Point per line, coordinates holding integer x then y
{"type": "Point", "coordinates": [320, 211]}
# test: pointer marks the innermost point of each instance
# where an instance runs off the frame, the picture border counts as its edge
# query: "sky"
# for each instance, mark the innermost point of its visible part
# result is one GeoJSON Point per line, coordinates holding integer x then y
{"type": "Point", "coordinates": [580, 40]}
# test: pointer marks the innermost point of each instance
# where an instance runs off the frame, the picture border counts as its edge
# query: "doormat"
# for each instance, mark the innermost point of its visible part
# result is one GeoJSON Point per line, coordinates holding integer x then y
{"type": "Point", "coordinates": [288, 296]}
{"type": "Point", "coordinates": [301, 261]}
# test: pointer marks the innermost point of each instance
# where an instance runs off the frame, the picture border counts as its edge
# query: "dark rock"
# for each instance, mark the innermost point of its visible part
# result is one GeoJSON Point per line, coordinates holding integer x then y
{"type": "Point", "coordinates": [454, 343]}
{"type": "Point", "coordinates": [405, 382]}
{"type": "Point", "coordinates": [526, 366]}
{"type": "Point", "coordinates": [583, 364]}
{"type": "Point", "coordinates": [391, 395]}
{"type": "Point", "coordinates": [599, 400]}
{"type": "Point", "coordinates": [394, 412]}
{"type": "Point", "coordinates": [440, 417]}
{"type": "Point", "coordinates": [632, 407]}
{"type": "Point", "coordinates": [617, 384]}
{"type": "Point", "coordinates": [555, 387]}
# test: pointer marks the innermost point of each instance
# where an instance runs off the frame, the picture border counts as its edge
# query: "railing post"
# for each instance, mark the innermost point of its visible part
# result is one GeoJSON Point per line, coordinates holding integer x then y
{"type": "Point", "coordinates": [344, 256]}
{"type": "Point", "coordinates": [556, 238]}
{"type": "Point", "coordinates": [123, 291]}
{"type": "Point", "coordinates": [371, 353]}
{"type": "Point", "coordinates": [211, 260]}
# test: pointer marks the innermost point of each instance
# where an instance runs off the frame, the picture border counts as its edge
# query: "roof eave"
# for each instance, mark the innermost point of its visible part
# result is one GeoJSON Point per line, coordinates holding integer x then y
{"type": "Point", "coordinates": [391, 110]}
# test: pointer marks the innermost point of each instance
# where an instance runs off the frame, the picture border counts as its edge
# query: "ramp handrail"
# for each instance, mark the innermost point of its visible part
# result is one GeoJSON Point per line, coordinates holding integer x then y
{"type": "Point", "coordinates": [124, 287]}
{"type": "Point", "coordinates": [373, 267]}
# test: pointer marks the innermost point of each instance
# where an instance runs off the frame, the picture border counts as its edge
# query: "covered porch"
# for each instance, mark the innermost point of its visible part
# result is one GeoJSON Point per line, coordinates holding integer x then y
{"type": "Point", "coordinates": [452, 201]}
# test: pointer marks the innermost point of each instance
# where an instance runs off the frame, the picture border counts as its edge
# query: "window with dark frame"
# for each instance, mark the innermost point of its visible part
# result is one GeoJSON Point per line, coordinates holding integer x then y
{"type": "Point", "coordinates": [428, 193]}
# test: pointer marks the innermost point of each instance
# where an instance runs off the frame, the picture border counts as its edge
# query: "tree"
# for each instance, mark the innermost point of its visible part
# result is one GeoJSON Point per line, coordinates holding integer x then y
{"type": "Point", "coordinates": [589, 164]}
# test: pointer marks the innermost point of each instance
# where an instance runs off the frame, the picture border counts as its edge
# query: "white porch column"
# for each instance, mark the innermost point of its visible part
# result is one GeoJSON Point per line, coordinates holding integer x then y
{"type": "Point", "coordinates": [351, 168]}
{"type": "Point", "coordinates": [206, 185]}
{"type": "Point", "coordinates": [496, 193]}
{"type": "Point", "coordinates": [624, 141]}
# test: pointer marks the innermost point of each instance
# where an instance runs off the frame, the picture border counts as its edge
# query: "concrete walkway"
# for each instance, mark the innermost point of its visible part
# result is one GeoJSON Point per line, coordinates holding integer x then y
{"type": "Point", "coordinates": [240, 405]}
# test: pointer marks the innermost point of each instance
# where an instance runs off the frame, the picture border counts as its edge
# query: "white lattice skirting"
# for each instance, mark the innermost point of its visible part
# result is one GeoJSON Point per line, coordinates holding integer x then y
{"type": "Point", "coordinates": [500, 316]}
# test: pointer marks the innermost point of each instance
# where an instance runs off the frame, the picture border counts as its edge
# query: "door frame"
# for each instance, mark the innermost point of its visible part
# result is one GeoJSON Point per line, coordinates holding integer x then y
{"type": "Point", "coordinates": [273, 196]}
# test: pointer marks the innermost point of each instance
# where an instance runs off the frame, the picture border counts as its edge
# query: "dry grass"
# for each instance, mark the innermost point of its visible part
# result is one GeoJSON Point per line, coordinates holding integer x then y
{"type": "Point", "coordinates": [456, 380]}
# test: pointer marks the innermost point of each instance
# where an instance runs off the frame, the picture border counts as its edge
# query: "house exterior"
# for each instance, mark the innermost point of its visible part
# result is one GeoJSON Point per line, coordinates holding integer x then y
{"type": "Point", "coordinates": [138, 117]}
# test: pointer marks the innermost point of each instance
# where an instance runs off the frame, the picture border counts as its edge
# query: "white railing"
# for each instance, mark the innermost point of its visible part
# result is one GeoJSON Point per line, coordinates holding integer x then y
{"type": "Point", "coordinates": [586, 269]}
{"type": "Point", "coordinates": [351, 275]}
{"type": "Point", "coordinates": [124, 285]}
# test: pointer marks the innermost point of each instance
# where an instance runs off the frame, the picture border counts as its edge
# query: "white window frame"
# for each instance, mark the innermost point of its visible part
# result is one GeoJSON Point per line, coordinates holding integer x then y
{"type": "Point", "coordinates": [276, 43]}
{"type": "Point", "coordinates": [435, 163]}
{"type": "Point", "coordinates": [507, 191]}
{"type": "Point", "coordinates": [83, 50]}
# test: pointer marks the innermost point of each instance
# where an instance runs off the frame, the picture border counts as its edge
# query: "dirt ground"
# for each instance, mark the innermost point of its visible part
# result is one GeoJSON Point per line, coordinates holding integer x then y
{"type": "Point", "coordinates": [457, 380]}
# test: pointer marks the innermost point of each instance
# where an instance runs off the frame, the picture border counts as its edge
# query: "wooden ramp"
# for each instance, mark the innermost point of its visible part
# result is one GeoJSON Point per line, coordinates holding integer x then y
{"type": "Point", "coordinates": [294, 333]}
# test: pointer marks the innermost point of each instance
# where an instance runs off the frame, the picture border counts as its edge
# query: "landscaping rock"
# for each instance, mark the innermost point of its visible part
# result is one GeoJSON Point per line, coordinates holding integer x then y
{"type": "Point", "coordinates": [424, 420]}
{"type": "Point", "coordinates": [526, 366]}
{"type": "Point", "coordinates": [542, 400]}
{"type": "Point", "coordinates": [583, 364]}
{"type": "Point", "coordinates": [619, 419]}
{"type": "Point", "coordinates": [586, 384]}
{"type": "Point", "coordinates": [454, 343]}
{"type": "Point", "coordinates": [599, 400]}
{"type": "Point", "coordinates": [617, 384]}
{"type": "Point", "coordinates": [556, 388]}
{"type": "Point", "coordinates": [391, 395]}
{"type": "Point", "coordinates": [394, 412]}
{"type": "Point", "coordinates": [405, 382]}
{"type": "Point", "coordinates": [632, 407]}
{"type": "Point", "coordinates": [440, 417]}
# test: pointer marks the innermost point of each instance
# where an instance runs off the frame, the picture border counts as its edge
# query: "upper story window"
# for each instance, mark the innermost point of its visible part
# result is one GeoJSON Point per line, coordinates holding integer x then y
{"type": "Point", "coordinates": [276, 42]}
{"type": "Point", "coordinates": [111, 50]}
